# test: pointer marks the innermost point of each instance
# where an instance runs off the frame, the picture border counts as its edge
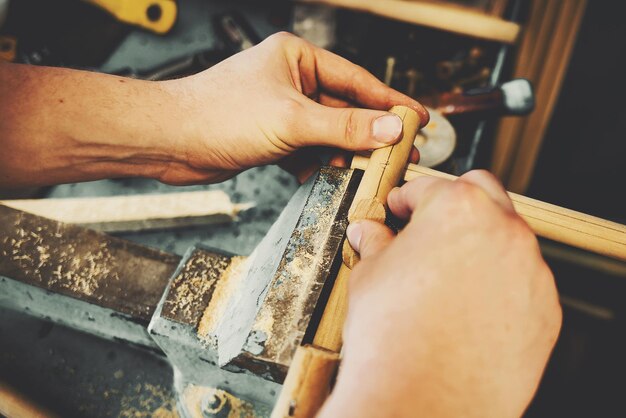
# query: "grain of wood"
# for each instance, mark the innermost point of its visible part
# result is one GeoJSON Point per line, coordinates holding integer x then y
{"type": "Point", "coordinates": [308, 383]}
{"type": "Point", "coordinates": [136, 212]}
{"type": "Point", "coordinates": [384, 172]}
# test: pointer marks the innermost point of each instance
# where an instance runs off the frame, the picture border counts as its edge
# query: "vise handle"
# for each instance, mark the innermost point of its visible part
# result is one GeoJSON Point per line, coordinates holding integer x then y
{"type": "Point", "coordinates": [314, 366]}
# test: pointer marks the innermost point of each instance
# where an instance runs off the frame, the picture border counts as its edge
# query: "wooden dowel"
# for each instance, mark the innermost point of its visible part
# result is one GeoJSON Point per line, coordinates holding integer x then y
{"type": "Point", "coordinates": [384, 172]}
{"type": "Point", "coordinates": [16, 405]}
{"type": "Point", "coordinates": [546, 220]}
{"type": "Point", "coordinates": [304, 391]}
{"type": "Point", "coordinates": [308, 383]}
{"type": "Point", "coordinates": [439, 16]}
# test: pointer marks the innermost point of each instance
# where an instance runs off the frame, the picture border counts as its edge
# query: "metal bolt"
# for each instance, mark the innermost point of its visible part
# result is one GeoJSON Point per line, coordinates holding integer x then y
{"type": "Point", "coordinates": [214, 405]}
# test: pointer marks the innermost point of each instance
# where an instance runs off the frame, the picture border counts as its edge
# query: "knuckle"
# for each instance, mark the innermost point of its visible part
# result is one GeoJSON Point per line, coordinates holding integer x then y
{"type": "Point", "coordinates": [281, 39]}
{"type": "Point", "coordinates": [479, 174]}
{"type": "Point", "coordinates": [466, 192]}
{"type": "Point", "coordinates": [291, 111]}
{"type": "Point", "coordinates": [348, 120]}
{"type": "Point", "coordinates": [521, 234]}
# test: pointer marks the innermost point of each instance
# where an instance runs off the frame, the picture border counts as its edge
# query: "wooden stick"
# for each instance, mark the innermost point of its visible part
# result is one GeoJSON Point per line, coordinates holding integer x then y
{"type": "Point", "coordinates": [304, 392]}
{"type": "Point", "coordinates": [15, 405]}
{"type": "Point", "coordinates": [445, 17]}
{"type": "Point", "coordinates": [308, 383]}
{"type": "Point", "coordinates": [546, 220]}
{"type": "Point", "coordinates": [136, 212]}
{"type": "Point", "coordinates": [385, 171]}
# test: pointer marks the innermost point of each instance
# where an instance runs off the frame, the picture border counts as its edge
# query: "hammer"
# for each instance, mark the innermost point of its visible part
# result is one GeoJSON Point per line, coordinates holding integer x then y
{"type": "Point", "coordinates": [314, 366]}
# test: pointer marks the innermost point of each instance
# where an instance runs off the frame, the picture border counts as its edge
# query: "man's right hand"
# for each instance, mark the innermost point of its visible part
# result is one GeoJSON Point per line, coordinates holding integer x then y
{"type": "Point", "coordinates": [455, 316]}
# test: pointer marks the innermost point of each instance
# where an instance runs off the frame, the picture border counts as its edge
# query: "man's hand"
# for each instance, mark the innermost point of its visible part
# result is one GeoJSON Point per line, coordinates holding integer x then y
{"type": "Point", "coordinates": [263, 104]}
{"type": "Point", "coordinates": [455, 316]}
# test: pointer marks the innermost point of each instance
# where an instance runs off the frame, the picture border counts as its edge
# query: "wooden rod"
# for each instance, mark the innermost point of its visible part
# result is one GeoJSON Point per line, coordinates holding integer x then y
{"type": "Point", "coordinates": [384, 172]}
{"type": "Point", "coordinates": [16, 405]}
{"type": "Point", "coordinates": [546, 220]}
{"type": "Point", "coordinates": [439, 16]}
{"type": "Point", "coordinates": [304, 392]}
{"type": "Point", "coordinates": [308, 383]}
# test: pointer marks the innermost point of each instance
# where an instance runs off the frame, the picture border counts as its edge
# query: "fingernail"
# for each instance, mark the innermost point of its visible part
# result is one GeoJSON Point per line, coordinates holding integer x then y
{"type": "Point", "coordinates": [387, 129]}
{"type": "Point", "coordinates": [354, 233]}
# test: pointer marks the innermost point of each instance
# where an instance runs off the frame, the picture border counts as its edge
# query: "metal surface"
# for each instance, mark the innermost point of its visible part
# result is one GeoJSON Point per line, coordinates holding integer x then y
{"type": "Point", "coordinates": [240, 332]}
{"type": "Point", "coordinates": [78, 375]}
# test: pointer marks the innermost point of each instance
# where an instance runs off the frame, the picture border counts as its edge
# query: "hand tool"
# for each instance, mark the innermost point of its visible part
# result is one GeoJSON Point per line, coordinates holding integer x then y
{"type": "Point", "coordinates": [155, 15]}
{"type": "Point", "coordinates": [437, 141]}
{"type": "Point", "coordinates": [230, 326]}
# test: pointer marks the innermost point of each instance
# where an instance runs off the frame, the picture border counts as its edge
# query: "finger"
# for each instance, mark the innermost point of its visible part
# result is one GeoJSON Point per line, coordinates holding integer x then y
{"type": "Point", "coordinates": [414, 156]}
{"type": "Point", "coordinates": [332, 101]}
{"type": "Point", "coordinates": [405, 200]}
{"type": "Point", "coordinates": [339, 159]}
{"type": "Point", "coordinates": [488, 182]}
{"type": "Point", "coordinates": [368, 237]}
{"type": "Point", "coordinates": [348, 128]}
{"type": "Point", "coordinates": [340, 77]}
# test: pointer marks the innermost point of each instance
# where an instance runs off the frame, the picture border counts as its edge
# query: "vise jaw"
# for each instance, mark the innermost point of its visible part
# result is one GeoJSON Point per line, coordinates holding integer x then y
{"type": "Point", "coordinates": [229, 325]}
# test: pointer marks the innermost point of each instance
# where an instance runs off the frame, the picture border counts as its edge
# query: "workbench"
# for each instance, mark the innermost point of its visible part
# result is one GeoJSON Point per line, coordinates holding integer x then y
{"type": "Point", "coordinates": [79, 375]}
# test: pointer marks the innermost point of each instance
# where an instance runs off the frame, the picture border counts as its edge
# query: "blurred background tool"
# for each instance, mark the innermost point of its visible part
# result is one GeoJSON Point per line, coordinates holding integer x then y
{"type": "Point", "coordinates": [154, 15]}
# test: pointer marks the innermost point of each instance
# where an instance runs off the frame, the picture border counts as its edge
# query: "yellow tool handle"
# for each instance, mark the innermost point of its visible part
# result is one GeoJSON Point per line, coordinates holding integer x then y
{"type": "Point", "coordinates": [155, 15]}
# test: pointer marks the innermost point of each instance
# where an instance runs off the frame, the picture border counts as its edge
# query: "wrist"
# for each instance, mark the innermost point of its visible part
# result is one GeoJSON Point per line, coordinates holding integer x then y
{"type": "Point", "coordinates": [138, 130]}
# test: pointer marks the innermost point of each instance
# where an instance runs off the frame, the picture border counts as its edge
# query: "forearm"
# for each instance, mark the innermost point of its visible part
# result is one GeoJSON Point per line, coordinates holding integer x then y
{"type": "Point", "coordinates": [60, 125]}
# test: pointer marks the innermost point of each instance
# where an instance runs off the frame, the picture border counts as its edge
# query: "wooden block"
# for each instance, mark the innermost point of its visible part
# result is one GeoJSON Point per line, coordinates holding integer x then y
{"type": "Point", "coordinates": [136, 212]}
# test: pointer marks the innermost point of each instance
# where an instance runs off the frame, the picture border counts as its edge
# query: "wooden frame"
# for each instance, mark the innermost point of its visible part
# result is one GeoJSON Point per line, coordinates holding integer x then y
{"type": "Point", "coordinates": [543, 56]}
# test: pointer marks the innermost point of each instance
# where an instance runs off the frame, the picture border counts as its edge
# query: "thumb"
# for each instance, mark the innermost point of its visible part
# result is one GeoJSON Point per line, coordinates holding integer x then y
{"type": "Point", "coordinates": [348, 128]}
{"type": "Point", "coordinates": [368, 237]}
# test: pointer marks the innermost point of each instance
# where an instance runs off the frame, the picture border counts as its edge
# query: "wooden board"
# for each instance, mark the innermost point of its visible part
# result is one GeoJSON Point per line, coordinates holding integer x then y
{"type": "Point", "coordinates": [136, 212]}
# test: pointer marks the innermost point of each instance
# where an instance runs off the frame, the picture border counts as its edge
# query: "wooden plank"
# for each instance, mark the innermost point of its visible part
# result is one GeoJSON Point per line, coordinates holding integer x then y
{"type": "Point", "coordinates": [461, 20]}
{"type": "Point", "coordinates": [549, 221]}
{"type": "Point", "coordinates": [136, 212]}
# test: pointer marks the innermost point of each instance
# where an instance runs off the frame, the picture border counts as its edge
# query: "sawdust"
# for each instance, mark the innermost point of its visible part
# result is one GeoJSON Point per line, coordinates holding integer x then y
{"type": "Point", "coordinates": [193, 284]}
{"type": "Point", "coordinates": [147, 400]}
{"type": "Point", "coordinates": [286, 307]}
{"type": "Point", "coordinates": [80, 273]}
{"type": "Point", "coordinates": [226, 284]}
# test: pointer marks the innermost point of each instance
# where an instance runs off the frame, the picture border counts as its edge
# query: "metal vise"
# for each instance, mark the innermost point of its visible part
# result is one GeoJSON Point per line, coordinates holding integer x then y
{"type": "Point", "coordinates": [229, 325]}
